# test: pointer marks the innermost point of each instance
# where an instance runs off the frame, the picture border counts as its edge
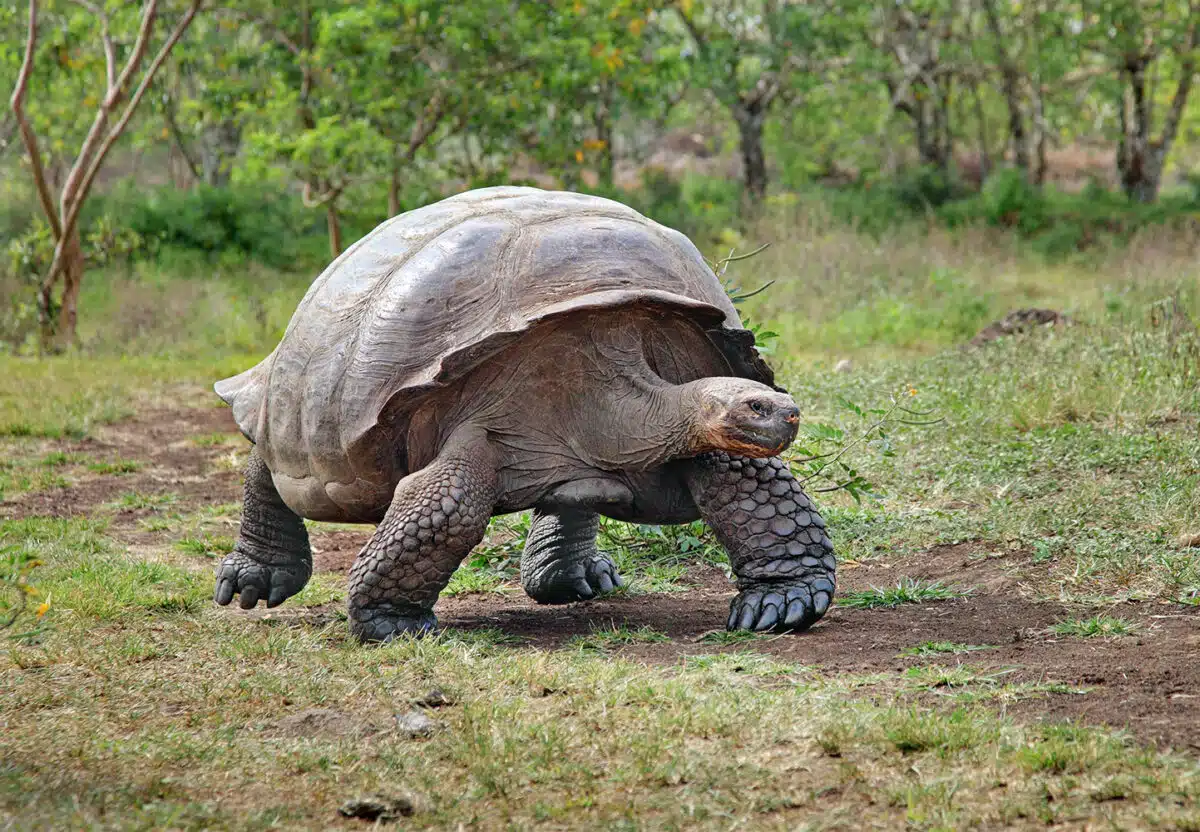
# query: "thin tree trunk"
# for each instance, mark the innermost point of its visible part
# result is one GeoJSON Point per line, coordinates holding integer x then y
{"type": "Point", "coordinates": [754, 161]}
{"type": "Point", "coordinates": [985, 156]}
{"type": "Point", "coordinates": [57, 325]}
{"type": "Point", "coordinates": [1139, 179]}
{"type": "Point", "coordinates": [220, 144]}
{"type": "Point", "coordinates": [1011, 85]}
{"type": "Point", "coordinates": [72, 272]}
{"type": "Point", "coordinates": [177, 138]}
{"type": "Point", "coordinates": [1039, 126]}
{"type": "Point", "coordinates": [335, 228]}
{"type": "Point", "coordinates": [604, 135]}
{"type": "Point", "coordinates": [394, 189]}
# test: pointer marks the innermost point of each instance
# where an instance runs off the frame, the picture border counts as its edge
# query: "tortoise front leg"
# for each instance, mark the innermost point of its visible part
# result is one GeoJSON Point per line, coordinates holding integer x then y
{"type": "Point", "coordinates": [438, 514]}
{"type": "Point", "coordinates": [775, 538]}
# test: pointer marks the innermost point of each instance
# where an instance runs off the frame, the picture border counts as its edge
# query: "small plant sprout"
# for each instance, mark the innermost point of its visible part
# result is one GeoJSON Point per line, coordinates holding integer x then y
{"type": "Point", "coordinates": [821, 449]}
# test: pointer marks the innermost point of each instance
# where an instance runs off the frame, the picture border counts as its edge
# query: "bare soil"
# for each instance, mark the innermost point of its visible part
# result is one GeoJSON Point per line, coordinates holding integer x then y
{"type": "Point", "coordinates": [1148, 683]}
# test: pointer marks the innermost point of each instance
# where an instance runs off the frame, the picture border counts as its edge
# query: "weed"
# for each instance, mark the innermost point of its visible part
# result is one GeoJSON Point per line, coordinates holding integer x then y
{"type": "Point", "coordinates": [207, 546]}
{"type": "Point", "coordinates": [907, 591]}
{"type": "Point", "coordinates": [151, 502]}
{"type": "Point", "coordinates": [933, 648]}
{"type": "Point", "coordinates": [1097, 626]}
{"type": "Point", "coordinates": [116, 466]}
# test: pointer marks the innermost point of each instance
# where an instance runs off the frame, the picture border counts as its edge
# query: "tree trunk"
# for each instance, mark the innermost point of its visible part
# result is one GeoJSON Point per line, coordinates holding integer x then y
{"type": "Point", "coordinates": [58, 325]}
{"type": "Point", "coordinates": [394, 189]}
{"type": "Point", "coordinates": [1137, 162]}
{"type": "Point", "coordinates": [1010, 78]}
{"type": "Point", "coordinates": [985, 156]}
{"type": "Point", "coordinates": [1039, 144]}
{"type": "Point", "coordinates": [219, 146]}
{"type": "Point", "coordinates": [335, 228]}
{"type": "Point", "coordinates": [750, 121]}
{"type": "Point", "coordinates": [72, 276]}
{"type": "Point", "coordinates": [1140, 160]}
{"type": "Point", "coordinates": [604, 135]}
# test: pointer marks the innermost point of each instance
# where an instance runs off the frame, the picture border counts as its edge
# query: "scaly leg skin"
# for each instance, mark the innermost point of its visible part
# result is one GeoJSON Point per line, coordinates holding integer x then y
{"type": "Point", "coordinates": [776, 541]}
{"type": "Point", "coordinates": [561, 563]}
{"type": "Point", "coordinates": [438, 514]}
{"type": "Point", "coordinates": [271, 560]}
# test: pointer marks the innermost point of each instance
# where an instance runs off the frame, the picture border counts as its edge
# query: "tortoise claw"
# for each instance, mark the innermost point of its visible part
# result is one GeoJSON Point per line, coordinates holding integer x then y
{"type": "Point", "coordinates": [782, 609]}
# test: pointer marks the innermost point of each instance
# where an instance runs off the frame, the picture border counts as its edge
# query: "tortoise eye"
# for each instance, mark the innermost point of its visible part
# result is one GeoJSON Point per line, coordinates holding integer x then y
{"type": "Point", "coordinates": [759, 408]}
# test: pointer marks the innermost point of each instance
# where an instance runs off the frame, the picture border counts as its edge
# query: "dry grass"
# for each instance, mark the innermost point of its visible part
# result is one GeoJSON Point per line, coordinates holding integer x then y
{"type": "Point", "coordinates": [143, 707]}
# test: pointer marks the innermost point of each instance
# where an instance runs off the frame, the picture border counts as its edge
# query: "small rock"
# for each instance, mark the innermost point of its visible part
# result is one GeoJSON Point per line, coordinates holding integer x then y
{"type": "Point", "coordinates": [843, 366]}
{"type": "Point", "coordinates": [378, 807]}
{"type": "Point", "coordinates": [415, 724]}
{"type": "Point", "coordinates": [436, 698]}
{"type": "Point", "coordinates": [1188, 540]}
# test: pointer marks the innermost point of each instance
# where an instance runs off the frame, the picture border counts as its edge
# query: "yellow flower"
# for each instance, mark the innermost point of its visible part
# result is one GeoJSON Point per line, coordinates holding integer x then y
{"type": "Point", "coordinates": [579, 156]}
{"type": "Point", "coordinates": [912, 391]}
{"type": "Point", "coordinates": [43, 608]}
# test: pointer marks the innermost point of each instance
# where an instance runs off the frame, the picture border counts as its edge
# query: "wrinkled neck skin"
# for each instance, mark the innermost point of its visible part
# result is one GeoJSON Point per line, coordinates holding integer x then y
{"type": "Point", "coordinates": [652, 423]}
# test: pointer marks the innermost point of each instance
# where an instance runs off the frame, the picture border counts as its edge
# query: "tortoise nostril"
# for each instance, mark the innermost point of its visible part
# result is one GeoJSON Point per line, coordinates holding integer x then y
{"type": "Point", "coordinates": [791, 415]}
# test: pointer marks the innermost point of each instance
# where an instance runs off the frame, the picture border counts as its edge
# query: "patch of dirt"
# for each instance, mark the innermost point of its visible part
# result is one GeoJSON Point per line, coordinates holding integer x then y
{"type": "Point", "coordinates": [1149, 683]}
{"type": "Point", "coordinates": [322, 722]}
{"type": "Point", "coordinates": [172, 463]}
{"type": "Point", "coordinates": [336, 551]}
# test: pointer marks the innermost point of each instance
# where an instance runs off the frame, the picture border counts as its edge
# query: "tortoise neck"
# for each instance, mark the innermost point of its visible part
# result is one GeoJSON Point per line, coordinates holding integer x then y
{"type": "Point", "coordinates": [670, 411]}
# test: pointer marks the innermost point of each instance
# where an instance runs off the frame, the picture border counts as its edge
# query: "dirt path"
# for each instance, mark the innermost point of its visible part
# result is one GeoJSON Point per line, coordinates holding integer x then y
{"type": "Point", "coordinates": [1149, 683]}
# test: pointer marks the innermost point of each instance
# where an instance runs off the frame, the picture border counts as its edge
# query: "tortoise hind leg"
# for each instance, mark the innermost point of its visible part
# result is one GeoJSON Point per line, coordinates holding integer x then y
{"type": "Point", "coordinates": [438, 514]}
{"type": "Point", "coordinates": [271, 560]}
{"type": "Point", "coordinates": [561, 563]}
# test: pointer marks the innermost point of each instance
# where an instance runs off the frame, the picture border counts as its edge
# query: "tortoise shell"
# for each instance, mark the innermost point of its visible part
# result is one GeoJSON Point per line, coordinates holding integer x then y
{"type": "Point", "coordinates": [431, 294]}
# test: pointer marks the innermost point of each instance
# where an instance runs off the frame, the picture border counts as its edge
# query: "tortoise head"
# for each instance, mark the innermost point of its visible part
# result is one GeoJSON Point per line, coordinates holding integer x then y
{"type": "Point", "coordinates": [742, 417]}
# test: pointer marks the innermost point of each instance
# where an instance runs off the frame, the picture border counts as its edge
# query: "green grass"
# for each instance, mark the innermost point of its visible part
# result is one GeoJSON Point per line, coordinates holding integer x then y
{"type": "Point", "coordinates": [208, 546]}
{"type": "Point", "coordinates": [1097, 626]}
{"type": "Point", "coordinates": [906, 591]}
{"type": "Point", "coordinates": [614, 637]}
{"type": "Point", "coordinates": [115, 467]}
{"type": "Point", "coordinates": [936, 648]}
{"type": "Point", "coordinates": [1067, 460]}
{"type": "Point", "coordinates": [137, 500]}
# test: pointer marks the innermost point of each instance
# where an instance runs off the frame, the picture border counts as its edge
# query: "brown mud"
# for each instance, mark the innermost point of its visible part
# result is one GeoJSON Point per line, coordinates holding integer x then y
{"type": "Point", "coordinates": [1148, 683]}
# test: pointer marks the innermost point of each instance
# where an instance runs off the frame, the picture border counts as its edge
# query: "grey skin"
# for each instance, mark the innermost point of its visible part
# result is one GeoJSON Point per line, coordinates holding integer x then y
{"type": "Point", "coordinates": [626, 392]}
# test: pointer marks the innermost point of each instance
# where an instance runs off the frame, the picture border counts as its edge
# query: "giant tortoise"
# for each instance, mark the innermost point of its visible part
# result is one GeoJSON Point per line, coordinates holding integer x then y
{"type": "Point", "coordinates": [509, 349]}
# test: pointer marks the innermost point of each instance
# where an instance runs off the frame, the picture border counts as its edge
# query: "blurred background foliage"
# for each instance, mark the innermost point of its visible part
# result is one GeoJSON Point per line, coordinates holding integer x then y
{"type": "Point", "coordinates": [277, 134]}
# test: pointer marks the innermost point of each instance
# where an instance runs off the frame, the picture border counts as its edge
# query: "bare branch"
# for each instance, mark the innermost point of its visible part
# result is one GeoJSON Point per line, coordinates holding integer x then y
{"type": "Point", "coordinates": [110, 52]}
{"type": "Point", "coordinates": [180, 141]}
{"type": "Point", "coordinates": [86, 151]}
{"type": "Point", "coordinates": [310, 201]}
{"type": "Point", "coordinates": [27, 135]}
{"type": "Point", "coordinates": [428, 122]}
{"type": "Point", "coordinates": [72, 216]}
{"type": "Point", "coordinates": [1187, 74]}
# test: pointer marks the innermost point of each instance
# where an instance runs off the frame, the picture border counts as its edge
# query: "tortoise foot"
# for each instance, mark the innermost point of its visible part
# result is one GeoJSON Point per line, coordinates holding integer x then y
{"type": "Point", "coordinates": [566, 581]}
{"type": "Point", "coordinates": [252, 581]}
{"type": "Point", "coordinates": [781, 607]}
{"type": "Point", "coordinates": [382, 623]}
